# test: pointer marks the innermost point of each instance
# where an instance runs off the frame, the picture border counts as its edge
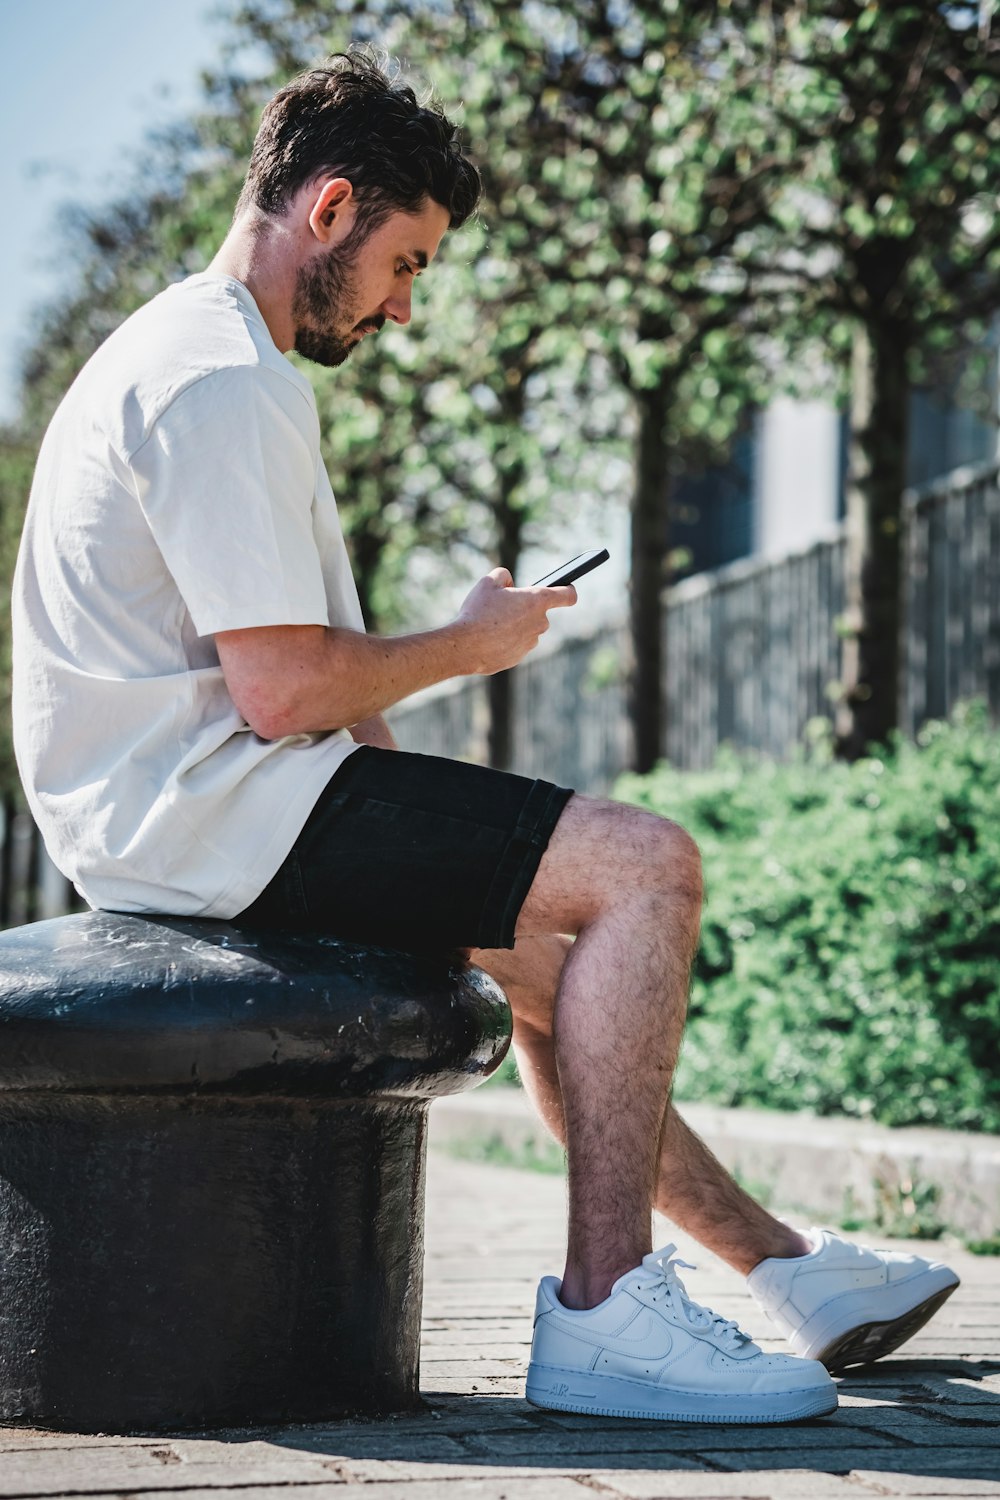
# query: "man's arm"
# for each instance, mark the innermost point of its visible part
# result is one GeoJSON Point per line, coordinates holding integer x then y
{"type": "Point", "coordinates": [294, 679]}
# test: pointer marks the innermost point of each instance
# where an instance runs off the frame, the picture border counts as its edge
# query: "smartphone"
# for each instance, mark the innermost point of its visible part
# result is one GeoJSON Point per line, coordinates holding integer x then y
{"type": "Point", "coordinates": [572, 570]}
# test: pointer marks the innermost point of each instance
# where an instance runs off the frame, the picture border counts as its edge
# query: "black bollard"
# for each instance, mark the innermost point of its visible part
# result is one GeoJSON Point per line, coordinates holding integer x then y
{"type": "Point", "coordinates": [212, 1169]}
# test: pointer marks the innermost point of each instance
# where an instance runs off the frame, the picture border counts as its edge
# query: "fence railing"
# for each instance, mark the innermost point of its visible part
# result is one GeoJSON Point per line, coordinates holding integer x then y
{"type": "Point", "coordinates": [753, 653]}
{"type": "Point", "coordinates": [31, 887]}
{"type": "Point", "coordinates": [952, 636]}
{"type": "Point", "coordinates": [751, 656]}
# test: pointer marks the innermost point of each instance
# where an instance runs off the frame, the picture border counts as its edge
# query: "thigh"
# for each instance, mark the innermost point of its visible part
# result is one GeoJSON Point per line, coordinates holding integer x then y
{"type": "Point", "coordinates": [605, 855]}
{"type": "Point", "coordinates": [414, 851]}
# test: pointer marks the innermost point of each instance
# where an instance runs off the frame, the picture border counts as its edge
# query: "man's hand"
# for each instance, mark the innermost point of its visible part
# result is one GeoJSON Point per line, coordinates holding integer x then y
{"type": "Point", "coordinates": [504, 623]}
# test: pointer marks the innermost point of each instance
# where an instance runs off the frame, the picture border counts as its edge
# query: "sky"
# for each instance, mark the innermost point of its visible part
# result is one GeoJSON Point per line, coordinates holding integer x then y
{"type": "Point", "coordinates": [81, 82]}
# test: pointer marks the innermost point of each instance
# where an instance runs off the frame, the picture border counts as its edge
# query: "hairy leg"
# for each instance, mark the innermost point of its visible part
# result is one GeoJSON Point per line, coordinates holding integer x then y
{"type": "Point", "coordinates": [628, 885]}
{"type": "Point", "coordinates": [693, 1188]}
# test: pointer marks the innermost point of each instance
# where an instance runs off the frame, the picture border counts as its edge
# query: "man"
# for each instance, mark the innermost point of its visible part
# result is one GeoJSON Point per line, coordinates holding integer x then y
{"type": "Point", "coordinates": [198, 724]}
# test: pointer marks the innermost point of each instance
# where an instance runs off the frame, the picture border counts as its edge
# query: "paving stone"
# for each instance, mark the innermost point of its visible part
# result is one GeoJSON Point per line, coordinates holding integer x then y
{"type": "Point", "coordinates": [931, 1426]}
{"type": "Point", "coordinates": [845, 1457]}
{"type": "Point", "coordinates": [463, 1333]}
{"type": "Point", "coordinates": [961, 1488]}
{"type": "Point", "coordinates": [977, 1391]}
{"type": "Point", "coordinates": [464, 1413]}
{"type": "Point", "coordinates": [372, 1442]}
{"type": "Point", "coordinates": [930, 1408]}
{"type": "Point", "coordinates": [500, 1385]}
{"type": "Point", "coordinates": [326, 1491]}
{"type": "Point", "coordinates": [547, 1487]}
{"type": "Point", "coordinates": [697, 1434]}
{"type": "Point", "coordinates": [470, 1368]}
{"type": "Point", "coordinates": [580, 1468]}
{"type": "Point", "coordinates": [612, 1436]}
{"type": "Point", "coordinates": [14, 1439]}
{"type": "Point", "coordinates": [168, 1465]}
{"type": "Point", "coordinates": [788, 1484]}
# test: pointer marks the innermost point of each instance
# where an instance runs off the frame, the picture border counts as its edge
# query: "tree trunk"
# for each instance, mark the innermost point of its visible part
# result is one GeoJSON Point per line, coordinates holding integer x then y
{"type": "Point", "coordinates": [869, 707]}
{"type": "Point", "coordinates": [366, 547]}
{"type": "Point", "coordinates": [509, 521]}
{"type": "Point", "coordinates": [650, 546]}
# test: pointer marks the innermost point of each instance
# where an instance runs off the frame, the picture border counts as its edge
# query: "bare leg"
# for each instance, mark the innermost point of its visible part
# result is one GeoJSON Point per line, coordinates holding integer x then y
{"type": "Point", "coordinates": [628, 885]}
{"type": "Point", "coordinates": [693, 1189]}
{"type": "Point", "coordinates": [529, 974]}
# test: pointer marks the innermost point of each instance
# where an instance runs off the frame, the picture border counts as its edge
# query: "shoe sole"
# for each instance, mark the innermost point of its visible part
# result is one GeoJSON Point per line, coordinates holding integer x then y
{"type": "Point", "coordinates": [870, 1341]}
{"type": "Point", "coordinates": [555, 1389]}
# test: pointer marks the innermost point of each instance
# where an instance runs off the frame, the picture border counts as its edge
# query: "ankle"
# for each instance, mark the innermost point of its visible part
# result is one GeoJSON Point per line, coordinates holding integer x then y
{"type": "Point", "coordinates": [785, 1244]}
{"type": "Point", "coordinates": [584, 1287]}
{"type": "Point", "coordinates": [578, 1293]}
{"type": "Point", "coordinates": [796, 1245]}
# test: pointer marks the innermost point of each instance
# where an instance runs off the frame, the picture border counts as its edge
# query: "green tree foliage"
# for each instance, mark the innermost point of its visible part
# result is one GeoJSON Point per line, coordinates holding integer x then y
{"type": "Point", "coordinates": [850, 938]}
{"type": "Point", "coordinates": [888, 223]}
{"type": "Point", "coordinates": [459, 437]}
{"type": "Point", "coordinates": [703, 183]}
{"type": "Point", "coordinates": [612, 144]}
{"type": "Point", "coordinates": [511, 413]}
{"type": "Point", "coordinates": [677, 198]}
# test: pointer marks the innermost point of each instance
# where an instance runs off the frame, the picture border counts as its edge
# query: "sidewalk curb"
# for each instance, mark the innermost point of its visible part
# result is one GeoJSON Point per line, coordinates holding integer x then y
{"type": "Point", "coordinates": [829, 1168]}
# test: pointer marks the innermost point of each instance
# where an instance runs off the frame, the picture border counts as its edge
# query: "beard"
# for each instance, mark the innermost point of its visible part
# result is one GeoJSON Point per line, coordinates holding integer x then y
{"type": "Point", "coordinates": [324, 294]}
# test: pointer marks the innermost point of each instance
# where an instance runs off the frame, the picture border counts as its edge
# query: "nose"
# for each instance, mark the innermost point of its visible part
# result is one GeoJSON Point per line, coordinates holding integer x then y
{"type": "Point", "coordinates": [397, 305]}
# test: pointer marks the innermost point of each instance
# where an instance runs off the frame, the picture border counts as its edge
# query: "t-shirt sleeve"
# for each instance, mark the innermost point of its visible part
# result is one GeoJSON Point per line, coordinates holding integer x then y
{"type": "Point", "coordinates": [226, 480]}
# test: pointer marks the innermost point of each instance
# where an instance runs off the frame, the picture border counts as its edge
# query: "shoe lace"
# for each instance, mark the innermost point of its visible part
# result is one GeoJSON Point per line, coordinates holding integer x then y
{"type": "Point", "coordinates": [660, 1268]}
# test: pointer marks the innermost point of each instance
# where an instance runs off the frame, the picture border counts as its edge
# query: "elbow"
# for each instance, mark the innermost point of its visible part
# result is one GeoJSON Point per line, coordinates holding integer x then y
{"type": "Point", "coordinates": [269, 726]}
{"type": "Point", "coordinates": [281, 712]}
{"type": "Point", "coordinates": [270, 716]}
{"type": "Point", "coordinates": [279, 680]}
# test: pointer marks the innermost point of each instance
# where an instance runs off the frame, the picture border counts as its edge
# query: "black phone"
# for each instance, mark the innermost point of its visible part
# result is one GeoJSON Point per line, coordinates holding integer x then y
{"type": "Point", "coordinates": [572, 570]}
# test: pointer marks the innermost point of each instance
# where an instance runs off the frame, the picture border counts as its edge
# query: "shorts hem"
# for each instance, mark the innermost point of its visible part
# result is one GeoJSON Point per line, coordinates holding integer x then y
{"type": "Point", "coordinates": [519, 863]}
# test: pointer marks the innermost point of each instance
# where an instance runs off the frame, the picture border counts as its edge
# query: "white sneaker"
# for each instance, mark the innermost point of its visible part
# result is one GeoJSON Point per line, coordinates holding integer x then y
{"type": "Point", "coordinates": [844, 1304]}
{"type": "Point", "coordinates": [649, 1351]}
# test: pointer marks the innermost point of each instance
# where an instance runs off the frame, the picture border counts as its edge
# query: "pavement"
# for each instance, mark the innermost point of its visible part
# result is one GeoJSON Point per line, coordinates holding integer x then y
{"type": "Point", "coordinates": [926, 1422]}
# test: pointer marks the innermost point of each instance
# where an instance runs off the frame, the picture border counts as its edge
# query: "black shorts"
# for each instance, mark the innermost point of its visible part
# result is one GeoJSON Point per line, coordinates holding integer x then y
{"type": "Point", "coordinates": [414, 851]}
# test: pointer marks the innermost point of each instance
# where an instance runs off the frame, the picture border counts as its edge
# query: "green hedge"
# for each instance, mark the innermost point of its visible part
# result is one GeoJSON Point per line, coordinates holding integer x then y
{"type": "Point", "coordinates": [850, 955]}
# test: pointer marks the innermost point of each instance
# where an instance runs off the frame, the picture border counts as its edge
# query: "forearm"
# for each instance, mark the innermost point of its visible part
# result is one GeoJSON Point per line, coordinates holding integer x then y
{"type": "Point", "coordinates": [300, 679]}
{"type": "Point", "coordinates": [371, 673]}
{"type": "Point", "coordinates": [336, 678]}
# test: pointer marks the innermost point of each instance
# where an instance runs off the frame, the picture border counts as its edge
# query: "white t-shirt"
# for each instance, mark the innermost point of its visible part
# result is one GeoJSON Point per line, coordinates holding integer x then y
{"type": "Point", "coordinates": [179, 492]}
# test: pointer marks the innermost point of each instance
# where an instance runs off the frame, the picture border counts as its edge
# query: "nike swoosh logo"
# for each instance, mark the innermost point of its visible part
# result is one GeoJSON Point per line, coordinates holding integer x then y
{"type": "Point", "coordinates": [648, 1352]}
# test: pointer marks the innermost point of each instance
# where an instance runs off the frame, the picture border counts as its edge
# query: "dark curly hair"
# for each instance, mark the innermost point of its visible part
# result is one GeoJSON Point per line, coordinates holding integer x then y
{"type": "Point", "coordinates": [350, 118]}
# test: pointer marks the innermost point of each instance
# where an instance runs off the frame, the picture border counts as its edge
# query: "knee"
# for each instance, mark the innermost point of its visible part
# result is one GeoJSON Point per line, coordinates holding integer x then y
{"type": "Point", "coordinates": [674, 861]}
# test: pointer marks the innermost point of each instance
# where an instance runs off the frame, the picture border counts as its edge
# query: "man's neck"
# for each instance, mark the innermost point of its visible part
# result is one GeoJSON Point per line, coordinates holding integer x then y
{"type": "Point", "coordinates": [258, 253]}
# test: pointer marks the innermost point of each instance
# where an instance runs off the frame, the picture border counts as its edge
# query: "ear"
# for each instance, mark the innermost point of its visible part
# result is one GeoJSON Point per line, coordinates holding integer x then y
{"type": "Point", "coordinates": [332, 210]}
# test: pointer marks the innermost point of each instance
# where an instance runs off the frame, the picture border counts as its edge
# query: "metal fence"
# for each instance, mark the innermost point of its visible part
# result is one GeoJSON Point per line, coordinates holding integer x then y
{"type": "Point", "coordinates": [31, 887]}
{"type": "Point", "coordinates": [753, 652]}
{"type": "Point", "coordinates": [952, 642]}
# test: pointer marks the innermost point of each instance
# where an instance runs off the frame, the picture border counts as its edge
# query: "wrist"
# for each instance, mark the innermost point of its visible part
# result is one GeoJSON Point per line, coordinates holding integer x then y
{"type": "Point", "coordinates": [461, 641]}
